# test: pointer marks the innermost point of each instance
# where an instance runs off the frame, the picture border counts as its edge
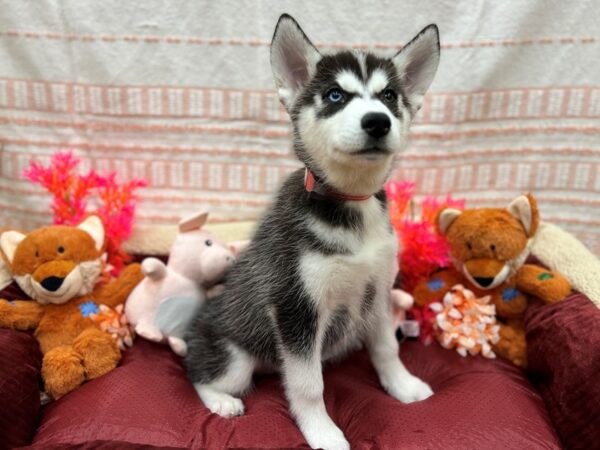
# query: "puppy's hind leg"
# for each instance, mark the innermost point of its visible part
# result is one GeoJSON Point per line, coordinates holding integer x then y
{"type": "Point", "coordinates": [219, 394]}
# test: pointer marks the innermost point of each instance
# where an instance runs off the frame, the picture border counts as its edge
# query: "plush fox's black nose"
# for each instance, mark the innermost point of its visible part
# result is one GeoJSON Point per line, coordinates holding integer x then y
{"type": "Point", "coordinates": [376, 124]}
{"type": "Point", "coordinates": [52, 284]}
{"type": "Point", "coordinates": [484, 282]}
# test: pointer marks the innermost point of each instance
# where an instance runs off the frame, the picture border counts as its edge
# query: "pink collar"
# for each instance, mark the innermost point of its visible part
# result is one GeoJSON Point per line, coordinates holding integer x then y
{"type": "Point", "coordinates": [311, 184]}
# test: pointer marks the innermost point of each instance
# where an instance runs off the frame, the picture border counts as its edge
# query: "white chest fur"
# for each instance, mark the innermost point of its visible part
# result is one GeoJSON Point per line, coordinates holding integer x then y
{"type": "Point", "coordinates": [341, 280]}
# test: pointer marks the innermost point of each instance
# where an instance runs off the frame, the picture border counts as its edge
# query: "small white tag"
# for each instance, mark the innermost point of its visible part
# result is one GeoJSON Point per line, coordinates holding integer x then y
{"type": "Point", "coordinates": [410, 328]}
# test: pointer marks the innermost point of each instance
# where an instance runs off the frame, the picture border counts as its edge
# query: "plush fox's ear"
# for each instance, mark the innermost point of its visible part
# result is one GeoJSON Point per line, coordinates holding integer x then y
{"type": "Point", "coordinates": [194, 222]}
{"type": "Point", "coordinates": [524, 209]}
{"type": "Point", "coordinates": [95, 228]}
{"type": "Point", "coordinates": [9, 241]}
{"type": "Point", "coordinates": [445, 218]}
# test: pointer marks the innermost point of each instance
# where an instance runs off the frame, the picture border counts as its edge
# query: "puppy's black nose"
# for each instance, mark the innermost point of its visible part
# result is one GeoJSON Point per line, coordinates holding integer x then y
{"type": "Point", "coordinates": [484, 282]}
{"type": "Point", "coordinates": [52, 284]}
{"type": "Point", "coordinates": [376, 124]}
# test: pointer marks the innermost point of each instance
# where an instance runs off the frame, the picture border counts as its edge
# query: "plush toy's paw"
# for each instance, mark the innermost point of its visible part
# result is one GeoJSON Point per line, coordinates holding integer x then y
{"type": "Point", "coordinates": [436, 286]}
{"type": "Point", "coordinates": [549, 286]}
{"type": "Point", "coordinates": [555, 288]}
{"type": "Point", "coordinates": [62, 371]}
{"type": "Point", "coordinates": [99, 352]}
{"type": "Point", "coordinates": [117, 291]}
{"type": "Point", "coordinates": [178, 345]}
{"type": "Point", "coordinates": [20, 314]}
{"type": "Point", "coordinates": [512, 345]}
{"type": "Point", "coordinates": [6, 313]}
{"type": "Point", "coordinates": [509, 301]}
{"type": "Point", "coordinates": [408, 389]}
{"type": "Point", "coordinates": [215, 291]}
{"type": "Point", "coordinates": [401, 299]}
{"type": "Point", "coordinates": [149, 331]}
{"type": "Point", "coordinates": [154, 268]}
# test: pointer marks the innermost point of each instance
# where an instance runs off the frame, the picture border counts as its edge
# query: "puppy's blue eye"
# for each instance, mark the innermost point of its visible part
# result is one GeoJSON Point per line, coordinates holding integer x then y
{"type": "Point", "coordinates": [334, 95]}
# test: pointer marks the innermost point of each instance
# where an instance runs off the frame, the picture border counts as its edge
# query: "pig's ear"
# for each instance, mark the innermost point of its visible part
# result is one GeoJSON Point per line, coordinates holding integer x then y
{"type": "Point", "coordinates": [194, 222]}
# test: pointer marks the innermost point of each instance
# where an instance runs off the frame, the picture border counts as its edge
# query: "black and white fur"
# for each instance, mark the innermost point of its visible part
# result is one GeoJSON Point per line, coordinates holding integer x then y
{"type": "Point", "coordinates": [315, 281]}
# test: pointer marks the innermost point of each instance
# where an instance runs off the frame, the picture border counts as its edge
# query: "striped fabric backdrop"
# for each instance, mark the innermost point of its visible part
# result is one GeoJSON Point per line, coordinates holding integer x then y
{"type": "Point", "coordinates": [180, 93]}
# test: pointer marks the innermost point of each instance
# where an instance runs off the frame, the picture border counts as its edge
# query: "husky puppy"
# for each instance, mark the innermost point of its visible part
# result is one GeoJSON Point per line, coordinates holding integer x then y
{"type": "Point", "coordinates": [315, 281]}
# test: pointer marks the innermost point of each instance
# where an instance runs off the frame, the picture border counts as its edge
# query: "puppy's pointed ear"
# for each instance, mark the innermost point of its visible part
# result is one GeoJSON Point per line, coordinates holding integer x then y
{"type": "Point", "coordinates": [293, 59]}
{"type": "Point", "coordinates": [95, 228]}
{"type": "Point", "coordinates": [417, 63]}
{"type": "Point", "coordinates": [9, 241]}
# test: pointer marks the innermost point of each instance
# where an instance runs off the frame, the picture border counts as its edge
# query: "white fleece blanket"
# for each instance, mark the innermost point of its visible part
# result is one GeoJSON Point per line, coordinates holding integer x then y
{"type": "Point", "coordinates": [180, 93]}
{"type": "Point", "coordinates": [561, 251]}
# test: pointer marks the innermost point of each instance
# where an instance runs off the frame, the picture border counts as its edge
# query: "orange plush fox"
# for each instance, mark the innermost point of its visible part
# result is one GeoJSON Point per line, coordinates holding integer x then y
{"type": "Point", "coordinates": [489, 248]}
{"type": "Point", "coordinates": [59, 266]}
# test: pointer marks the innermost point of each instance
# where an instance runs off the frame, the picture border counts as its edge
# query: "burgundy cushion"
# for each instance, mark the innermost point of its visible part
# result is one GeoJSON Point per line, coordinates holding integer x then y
{"type": "Point", "coordinates": [148, 401]}
{"type": "Point", "coordinates": [20, 362]}
{"type": "Point", "coordinates": [564, 360]}
{"type": "Point", "coordinates": [13, 292]}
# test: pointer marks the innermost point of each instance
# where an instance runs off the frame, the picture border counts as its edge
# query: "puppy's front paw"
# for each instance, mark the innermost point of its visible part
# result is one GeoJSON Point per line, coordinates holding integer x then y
{"type": "Point", "coordinates": [226, 407]}
{"type": "Point", "coordinates": [408, 389]}
{"type": "Point", "coordinates": [328, 437]}
{"type": "Point", "coordinates": [220, 403]}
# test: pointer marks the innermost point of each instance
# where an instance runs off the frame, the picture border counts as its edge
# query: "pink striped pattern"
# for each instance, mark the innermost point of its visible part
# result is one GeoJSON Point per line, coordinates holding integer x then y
{"type": "Point", "coordinates": [232, 104]}
{"type": "Point", "coordinates": [229, 149]}
{"type": "Point", "coordinates": [283, 132]}
{"type": "Point", "coordinates": [235, 177]}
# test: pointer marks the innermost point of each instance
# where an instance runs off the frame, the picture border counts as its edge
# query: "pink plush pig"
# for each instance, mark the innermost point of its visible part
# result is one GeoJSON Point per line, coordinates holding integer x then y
{"type": "Point", "coordinates": [163, 305]}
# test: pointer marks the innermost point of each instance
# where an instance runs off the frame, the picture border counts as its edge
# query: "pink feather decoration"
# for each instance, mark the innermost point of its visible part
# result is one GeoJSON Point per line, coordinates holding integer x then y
{"type": "Point", "coordinates": [71, 192]}
{"type": "Point", "coordinates": [422, 249]}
